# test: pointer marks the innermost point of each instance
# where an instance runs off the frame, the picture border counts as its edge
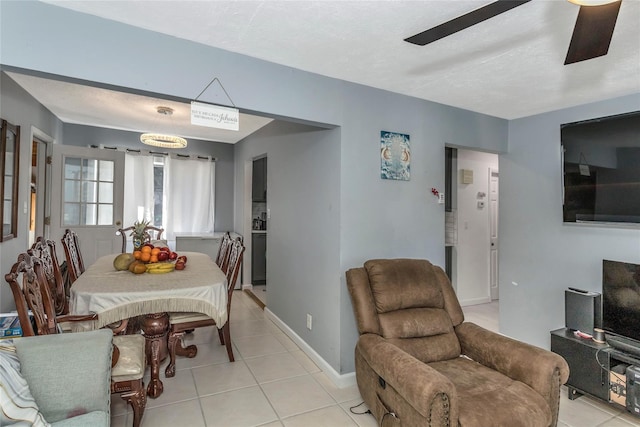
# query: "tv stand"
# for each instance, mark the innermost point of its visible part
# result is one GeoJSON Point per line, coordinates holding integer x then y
{"type": "Point", "coordinates": [624, 345]}
{"type": "Point", "coordinates": [595, 369]}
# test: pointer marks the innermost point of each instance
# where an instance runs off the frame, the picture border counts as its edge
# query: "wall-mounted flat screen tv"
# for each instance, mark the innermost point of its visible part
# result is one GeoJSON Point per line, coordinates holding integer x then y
{"type": "Point", "coordinates": [621, 298]}
{"type": "Point", "coordinates": [601, 170]}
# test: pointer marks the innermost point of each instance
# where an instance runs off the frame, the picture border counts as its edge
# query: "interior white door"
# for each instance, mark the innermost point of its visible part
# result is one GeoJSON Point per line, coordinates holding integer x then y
{"type": "Point", "coordinates": [87, 195]}
{"type": "Point", "coordinates": [493, 230]}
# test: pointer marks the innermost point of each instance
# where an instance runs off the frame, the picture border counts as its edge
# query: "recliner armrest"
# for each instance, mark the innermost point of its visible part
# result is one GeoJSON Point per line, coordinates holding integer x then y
{"type": "Point", "coordinates": [520, 361]}
{"type": "Point", "coordinates": [415, 381]}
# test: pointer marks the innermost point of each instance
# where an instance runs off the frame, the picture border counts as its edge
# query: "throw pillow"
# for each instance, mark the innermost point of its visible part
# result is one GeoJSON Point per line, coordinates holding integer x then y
{"type": "Point", "coordinates": [18, 407]}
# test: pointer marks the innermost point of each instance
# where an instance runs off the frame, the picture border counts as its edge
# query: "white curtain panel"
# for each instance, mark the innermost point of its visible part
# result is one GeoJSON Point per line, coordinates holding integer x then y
{"type": "Point", "coordinates": [138, 188]}
{"type": "Point", "coordinates": [189, 195]}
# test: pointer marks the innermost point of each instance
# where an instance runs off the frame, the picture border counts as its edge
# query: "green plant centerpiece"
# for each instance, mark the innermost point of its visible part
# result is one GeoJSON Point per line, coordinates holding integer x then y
{"type": "Point", "coordinates": [139, 234]}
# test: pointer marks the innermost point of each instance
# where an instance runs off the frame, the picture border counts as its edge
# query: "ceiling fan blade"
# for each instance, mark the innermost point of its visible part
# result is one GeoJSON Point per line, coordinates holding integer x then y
{"type": "Point", "coordinates": [592, 32]}
{"type": "Point", "coordinates": [465, 21]}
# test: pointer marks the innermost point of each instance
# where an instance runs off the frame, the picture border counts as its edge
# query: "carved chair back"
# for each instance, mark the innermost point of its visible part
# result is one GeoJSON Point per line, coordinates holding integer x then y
{"type": "Point", "coordinates": [45, 250]}
{"type": "Point", "coordinates": [223, 250]}
{"type": "Point", "coordinates": [30, 292]}
{"type": "Point", "coordinates": [150, 233]}
{"type": "Point", "coordinates": [75, 265]}
{"type": "Point", "coordinates": [236, 253]}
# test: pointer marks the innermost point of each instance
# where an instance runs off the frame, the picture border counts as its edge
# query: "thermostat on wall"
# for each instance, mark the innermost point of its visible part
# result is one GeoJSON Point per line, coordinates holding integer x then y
{"type": "Point", "coordinates": [467, 176]}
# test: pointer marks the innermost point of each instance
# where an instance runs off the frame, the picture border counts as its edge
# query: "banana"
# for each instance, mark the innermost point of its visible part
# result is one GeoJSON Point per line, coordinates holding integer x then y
{"type": "Point", "coordinates": [160, 267]}
{"type": "Point", "coordinates": [156, 264]}
{"type": "Point", "coordinates": [159, 264]}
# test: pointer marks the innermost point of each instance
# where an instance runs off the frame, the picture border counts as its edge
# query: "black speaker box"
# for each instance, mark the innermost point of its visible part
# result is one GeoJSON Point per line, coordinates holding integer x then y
{"type": "Point", "coordinates": [633, 389]}
{"type": "Point", "coordinates": [582, 310]}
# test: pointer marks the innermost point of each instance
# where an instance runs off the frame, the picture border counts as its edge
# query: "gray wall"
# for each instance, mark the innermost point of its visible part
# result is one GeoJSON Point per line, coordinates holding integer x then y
{"type": "Point", "coordinates": [21, 109]}
{"type": "Point", "coordinates": [377, 218]}
{"type": "Point", "coordinates": [303, 238]}
{"type": "Point", "coordinates": [88, 135]}
{"type": "Point", "coordinates": [537, 251]}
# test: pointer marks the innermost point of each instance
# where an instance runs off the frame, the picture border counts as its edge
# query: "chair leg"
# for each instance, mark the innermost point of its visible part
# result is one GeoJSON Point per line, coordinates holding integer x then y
{"type": "Point", "coordinates": [137, 398]}
{"type": "Point", "coordinates": [170, 371]}
{"type": "Point", "coordinates": [175, 347]}
{"type": "Point", "coordinates": [227, 341]}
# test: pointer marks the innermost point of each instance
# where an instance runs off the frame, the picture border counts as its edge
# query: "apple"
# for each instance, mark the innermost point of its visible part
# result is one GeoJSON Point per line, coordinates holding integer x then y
{"type": "Point", "coordinates": [165, 249]}
{"type": "Point", "coordinates": [180, 265]}
{"type": "Point", "coordinates": [163, 256]}
{"type": "Point", "coordinates": [173, 255]}
{"type": "Point", "coordinates": [182, 258]}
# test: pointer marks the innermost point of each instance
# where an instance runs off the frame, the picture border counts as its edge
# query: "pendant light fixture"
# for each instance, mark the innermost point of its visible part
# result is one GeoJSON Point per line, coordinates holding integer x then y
{"type": "Point", "coordinates": [163, 140]}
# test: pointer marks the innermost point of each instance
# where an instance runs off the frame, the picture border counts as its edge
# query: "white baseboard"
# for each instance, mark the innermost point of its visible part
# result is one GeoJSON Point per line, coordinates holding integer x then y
{"type": "Point", "coordinates": [339, 380]}
{"type": "Point", "coordinates": [475, 301]}
{"type": "Point", "coordinates": [248, 286]}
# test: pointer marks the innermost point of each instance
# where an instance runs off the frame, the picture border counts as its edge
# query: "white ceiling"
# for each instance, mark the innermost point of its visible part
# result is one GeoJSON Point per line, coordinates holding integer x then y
{"type": "Point", "coordinates": [510, 66]}
{"type": "Point", "coordinates": [87, 105]}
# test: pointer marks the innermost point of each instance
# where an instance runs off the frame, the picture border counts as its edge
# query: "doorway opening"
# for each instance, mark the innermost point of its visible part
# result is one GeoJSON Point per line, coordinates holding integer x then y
{"type": "Point", "coordinates": [40, 178]}
{"type": "Point", "coordinates": [471, 224]}
{"type": "Point", "coordinates": [259, 229]}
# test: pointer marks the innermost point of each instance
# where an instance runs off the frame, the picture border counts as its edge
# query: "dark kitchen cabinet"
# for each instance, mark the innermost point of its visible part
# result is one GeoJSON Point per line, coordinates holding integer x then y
{"type": "Point", "coordinates": [259, 258]}
{"type": "Point", "coordinates": [259, 181]}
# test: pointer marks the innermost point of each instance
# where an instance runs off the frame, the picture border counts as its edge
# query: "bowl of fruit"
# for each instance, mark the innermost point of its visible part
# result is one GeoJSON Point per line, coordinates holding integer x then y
{"type": "Point", "coordinates": [150, 259]}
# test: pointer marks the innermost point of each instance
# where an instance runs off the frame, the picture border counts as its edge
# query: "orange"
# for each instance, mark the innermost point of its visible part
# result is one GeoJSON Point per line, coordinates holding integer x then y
{"type": "Point", "coordinates": [137, 254]}
{"type": "Point", "coordinates": [145, 256]}
{"type": "Point", "coordinates": [145, 249]}
{"type": "Point", "coordinates": [154, 258]}
{"type": "Point", "coordinates": [155, 251]}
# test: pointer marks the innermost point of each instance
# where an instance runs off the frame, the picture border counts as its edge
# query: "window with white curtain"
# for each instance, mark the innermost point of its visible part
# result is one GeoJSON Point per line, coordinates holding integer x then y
{"type": "Point", "coordinates": [174, 192]}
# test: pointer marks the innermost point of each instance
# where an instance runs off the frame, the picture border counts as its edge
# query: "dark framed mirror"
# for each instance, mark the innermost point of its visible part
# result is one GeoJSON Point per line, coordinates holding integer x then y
{"type": "Point", "coordinates": [9, 158]}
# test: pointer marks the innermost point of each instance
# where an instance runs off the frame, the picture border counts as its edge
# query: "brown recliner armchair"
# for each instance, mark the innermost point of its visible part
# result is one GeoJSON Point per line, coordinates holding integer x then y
{"type": "Point", "coordinates": [418, 363]}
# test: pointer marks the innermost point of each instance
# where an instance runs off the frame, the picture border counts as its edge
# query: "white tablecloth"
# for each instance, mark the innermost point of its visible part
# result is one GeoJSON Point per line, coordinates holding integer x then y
{"type": "Point", "coordinates": [115, 295]}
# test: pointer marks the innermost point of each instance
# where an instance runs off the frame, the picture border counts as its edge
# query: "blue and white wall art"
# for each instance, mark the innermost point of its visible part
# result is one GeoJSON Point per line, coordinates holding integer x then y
{"type": "Point", "coordinates": [395, 156]}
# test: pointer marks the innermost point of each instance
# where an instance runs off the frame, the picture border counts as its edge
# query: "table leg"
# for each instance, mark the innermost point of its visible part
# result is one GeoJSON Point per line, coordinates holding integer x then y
{"type": "Point", "coordinates": [155, 328]}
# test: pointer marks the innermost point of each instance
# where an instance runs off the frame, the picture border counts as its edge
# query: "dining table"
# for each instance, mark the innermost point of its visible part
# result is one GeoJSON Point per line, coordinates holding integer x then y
{"type": "Point", "coordinates": [120, 295]}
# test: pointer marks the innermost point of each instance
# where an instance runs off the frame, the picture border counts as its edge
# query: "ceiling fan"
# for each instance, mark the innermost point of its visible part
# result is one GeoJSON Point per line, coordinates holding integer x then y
{"type": "Point", "coordinates": [591, 34]}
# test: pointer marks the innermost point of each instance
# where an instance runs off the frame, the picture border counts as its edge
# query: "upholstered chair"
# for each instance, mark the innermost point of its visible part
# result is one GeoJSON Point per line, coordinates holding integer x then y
{"type": "Point", "coordinates": [32, 297]}
{"type": "Point", "coordinates": [182, 322]}
{"type": "Point", "coordinates": [418, 363]}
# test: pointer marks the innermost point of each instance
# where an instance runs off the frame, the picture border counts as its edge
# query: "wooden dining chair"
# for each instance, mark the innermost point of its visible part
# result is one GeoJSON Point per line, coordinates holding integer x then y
{"type": "Point", "coordinates": [31, 292]}
{"type": "Point", "coordinates": [45, 250]}
{"type": "Point", "coordinates": [223, 250]}
{"type": "Point", "coordinates": [75, 265]}
{"type": "Point", "coordinates": [151, 233]}
{"type": "Point", "coordinates": [182, 322]}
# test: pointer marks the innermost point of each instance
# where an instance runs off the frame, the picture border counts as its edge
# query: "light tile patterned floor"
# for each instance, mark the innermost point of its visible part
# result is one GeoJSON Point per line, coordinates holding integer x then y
{"type": "Point", "coordinates": [273, 383]}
